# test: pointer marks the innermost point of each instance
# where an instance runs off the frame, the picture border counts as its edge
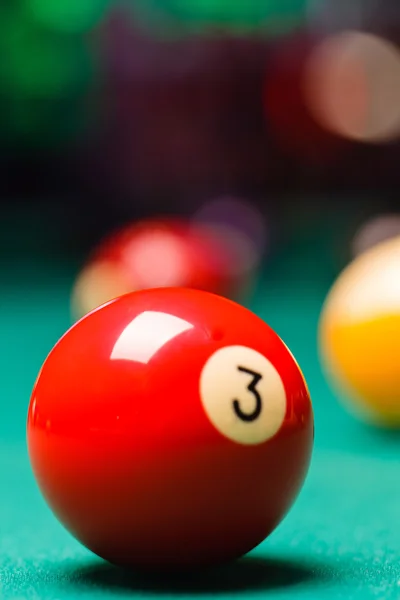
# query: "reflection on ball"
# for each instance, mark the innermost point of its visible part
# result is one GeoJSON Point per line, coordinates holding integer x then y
{"type": "Point", "coordinates": [170, 429]}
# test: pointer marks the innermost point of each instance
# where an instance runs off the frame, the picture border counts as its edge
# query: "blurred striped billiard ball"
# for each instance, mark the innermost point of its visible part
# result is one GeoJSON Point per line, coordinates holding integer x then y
{"type": "Point", "coordinates": [158, 253]}
{"type": "Point", "coordinates": [360, 334]}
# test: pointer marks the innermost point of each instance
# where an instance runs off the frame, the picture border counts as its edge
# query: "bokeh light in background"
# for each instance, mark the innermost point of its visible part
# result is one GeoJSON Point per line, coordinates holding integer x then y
{"type": "Point", "coordinates": [352, 85]}
{"type": "Point", "coordinates": [72, 17]}
{"type": "Point", "coordinates": [240, 216]}
{"type": "Point", "coordinates": [325, 17]}
{"type": "Point", "coordinates": [197, 97]}
{"type": "Point", "coordinates": [40, 66]}
{"type": "Point", "coordinates": [245, 232]}
{"type": "Point", "coordinates": [243, 228]}
{"type": "Point", "coordinates": [46, 72]}
{"type": "Point", "coordinates": [186, 16]}
{"type": "Point", "coordinates": [169, 102]}
{"type": "Point", "coordinates": [374, 231]}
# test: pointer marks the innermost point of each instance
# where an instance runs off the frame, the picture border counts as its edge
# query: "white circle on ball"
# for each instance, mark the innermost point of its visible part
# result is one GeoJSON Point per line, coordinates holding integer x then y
{"type": "Point", "coordinates": [243, 395]}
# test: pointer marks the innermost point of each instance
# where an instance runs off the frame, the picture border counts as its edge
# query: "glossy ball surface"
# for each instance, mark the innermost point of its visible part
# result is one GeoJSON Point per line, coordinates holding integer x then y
{"type": "Point", "coordinates": [170, 428]}
{"type": "Point", "coordinates": [360, 335]}
{"type": "Point", "coordinates": [158, 253]}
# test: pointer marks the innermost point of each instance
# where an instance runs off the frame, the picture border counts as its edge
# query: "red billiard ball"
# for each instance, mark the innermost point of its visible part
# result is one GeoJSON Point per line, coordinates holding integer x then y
{"type": "Point", "coordinates": [170, 428]}
{"type": "Point", "coordinates": [158, 253]}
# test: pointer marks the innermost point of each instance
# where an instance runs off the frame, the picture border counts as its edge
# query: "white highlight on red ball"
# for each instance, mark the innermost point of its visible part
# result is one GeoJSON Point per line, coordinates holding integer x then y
{"type": "Point", "coordinates": [146, 334]}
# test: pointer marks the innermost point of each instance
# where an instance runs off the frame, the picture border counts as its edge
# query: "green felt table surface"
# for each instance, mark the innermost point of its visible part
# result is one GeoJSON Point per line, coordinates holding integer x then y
{"type": "Point", "coordinates": [340, 540]}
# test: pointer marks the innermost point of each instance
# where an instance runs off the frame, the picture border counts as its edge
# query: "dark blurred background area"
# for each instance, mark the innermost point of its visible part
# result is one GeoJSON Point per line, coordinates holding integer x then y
{"type": "Point", "coordinates": [115, 111]}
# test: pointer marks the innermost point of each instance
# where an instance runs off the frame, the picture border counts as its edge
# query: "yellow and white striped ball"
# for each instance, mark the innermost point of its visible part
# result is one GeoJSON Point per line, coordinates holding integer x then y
{"type": "Point", "coordinates": [359, 334]}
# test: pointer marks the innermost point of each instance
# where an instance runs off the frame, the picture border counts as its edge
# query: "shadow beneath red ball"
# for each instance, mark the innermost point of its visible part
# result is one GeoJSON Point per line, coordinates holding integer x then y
{"type": "Point", "coordinates": [249, 573]}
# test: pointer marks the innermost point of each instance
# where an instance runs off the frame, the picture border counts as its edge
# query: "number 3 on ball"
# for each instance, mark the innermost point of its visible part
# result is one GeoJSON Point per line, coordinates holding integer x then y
{"type": "Point", "coordinates": [253, 389]}
{"type": "Point", "coordinates": [236, 406]}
